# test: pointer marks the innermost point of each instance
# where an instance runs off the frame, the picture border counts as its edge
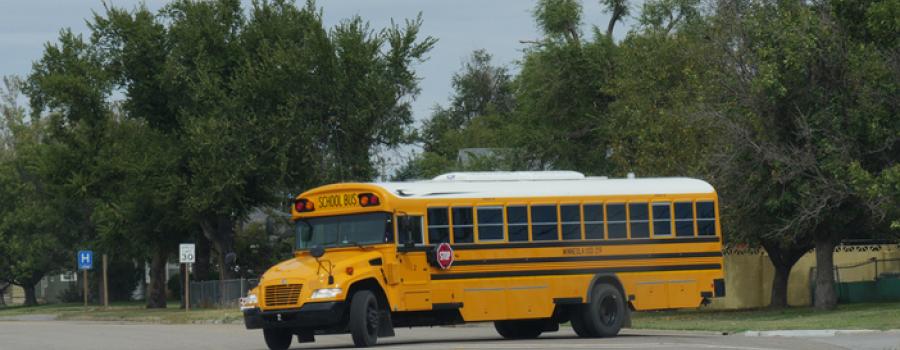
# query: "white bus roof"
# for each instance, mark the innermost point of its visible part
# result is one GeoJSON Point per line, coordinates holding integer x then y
{"type": "Point", "coordinates": [540, 184]}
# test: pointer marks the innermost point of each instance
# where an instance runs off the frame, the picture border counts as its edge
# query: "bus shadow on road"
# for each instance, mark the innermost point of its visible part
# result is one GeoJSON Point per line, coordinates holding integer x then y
{"type": "Point", "coordinates": [449, 342]}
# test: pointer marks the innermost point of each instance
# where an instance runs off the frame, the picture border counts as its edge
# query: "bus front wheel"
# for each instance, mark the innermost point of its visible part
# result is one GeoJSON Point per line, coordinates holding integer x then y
{"type": "Point", "coordinates": [604, 314]}
{"type": "Point", "coordinates": [278, 338]}
{"type": "Point", "coordinates": [364, 318]}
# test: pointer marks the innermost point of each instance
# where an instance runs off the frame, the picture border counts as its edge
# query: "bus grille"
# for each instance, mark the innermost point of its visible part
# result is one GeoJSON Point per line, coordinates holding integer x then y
{"type": "Point", "coordinates": [282, 294]}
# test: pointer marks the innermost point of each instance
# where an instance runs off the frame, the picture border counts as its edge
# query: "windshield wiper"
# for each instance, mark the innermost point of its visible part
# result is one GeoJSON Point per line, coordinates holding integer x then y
{"type": "Point", "coordinates": [353, 243]}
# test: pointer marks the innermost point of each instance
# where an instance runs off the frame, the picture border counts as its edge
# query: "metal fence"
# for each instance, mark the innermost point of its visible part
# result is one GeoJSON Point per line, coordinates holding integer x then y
{"type": "Point", "coordinates": [870, 280]}
{"type": "Point", "coordinates": [217, 293]}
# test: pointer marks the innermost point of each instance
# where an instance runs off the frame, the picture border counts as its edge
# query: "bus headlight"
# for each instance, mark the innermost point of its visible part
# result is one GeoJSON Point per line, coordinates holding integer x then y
{"type": "Point", "coordinates": [325, 293]}
{"type": "Point", "coordinates": [249, 302]}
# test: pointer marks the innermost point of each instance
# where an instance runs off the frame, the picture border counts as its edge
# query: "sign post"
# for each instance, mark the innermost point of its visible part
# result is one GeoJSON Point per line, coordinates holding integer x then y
{"type": "Point", "coordinates": [105, 284]}
{"type": "Point", "coordinates": [85, 263]}
{"type": "Point", "coordinates": [187, 257]}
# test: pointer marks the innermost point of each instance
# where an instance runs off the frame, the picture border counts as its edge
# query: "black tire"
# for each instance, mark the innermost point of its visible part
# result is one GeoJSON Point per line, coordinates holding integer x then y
{"type": "Point", "coordinates": [604, 313]}
{"type": "Point", "coordinates": [519, 329]}
{"type": "Point", "coordinates": [579, 325]}
{"type": "Point", "coordinates": [278, 338]}
{"type": "Point", "coordinates": [364, 319]}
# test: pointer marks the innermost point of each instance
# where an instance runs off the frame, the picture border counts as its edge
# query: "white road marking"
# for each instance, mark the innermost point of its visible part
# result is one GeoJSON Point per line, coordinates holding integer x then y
{"type": "Point", "coordinates": [598, 346]}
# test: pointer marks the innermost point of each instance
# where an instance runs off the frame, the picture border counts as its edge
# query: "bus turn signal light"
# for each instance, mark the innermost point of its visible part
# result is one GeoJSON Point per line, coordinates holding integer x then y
{"type": "Point", "coordinates": [303, 205]}
{"type": "Point", "coordinates": [368, 200]}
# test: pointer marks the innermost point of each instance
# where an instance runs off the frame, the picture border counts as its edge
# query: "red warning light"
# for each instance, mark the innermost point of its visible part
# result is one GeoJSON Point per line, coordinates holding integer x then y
{"type": "Point", "coordinates": [368, 200]}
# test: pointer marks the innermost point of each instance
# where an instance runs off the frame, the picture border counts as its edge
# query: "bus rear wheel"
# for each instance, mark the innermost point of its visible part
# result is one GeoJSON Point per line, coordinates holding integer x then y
{"type": "Point", "coordinates": [604, 314]}
{"type": "Point", "coordinates": [364, 318]}
{"type": "Point", "coordinates": [519, 329]}
{"type": "Point", "coordinates": [579, 325]}
{"type": "Point", "coordinates": [278, 338]}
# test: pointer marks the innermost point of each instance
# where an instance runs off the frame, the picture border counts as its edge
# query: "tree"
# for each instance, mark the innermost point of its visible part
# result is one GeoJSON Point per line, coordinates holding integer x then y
{"type": "Point", "coordinates": [802, 98]}
{"type": "Point", "coordinates": [562, 103]}
{"type": "Point", "coordinates": [655, 125]}
{"type": "Point", "coordinates": [33, 243]}
{"type": "Point", "coordinates": [477, 117]}
{"type": "Point", "coordinates": [258, 104]}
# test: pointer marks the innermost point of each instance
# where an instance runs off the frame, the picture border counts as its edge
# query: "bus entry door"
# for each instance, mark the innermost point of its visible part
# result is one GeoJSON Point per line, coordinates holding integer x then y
{"type": "Point", "coordinates": [413, 270]}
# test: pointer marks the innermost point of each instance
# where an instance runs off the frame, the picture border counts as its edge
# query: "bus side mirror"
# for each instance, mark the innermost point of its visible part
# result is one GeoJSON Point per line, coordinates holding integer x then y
{"type": "Point", "coordinates": [317, 251]}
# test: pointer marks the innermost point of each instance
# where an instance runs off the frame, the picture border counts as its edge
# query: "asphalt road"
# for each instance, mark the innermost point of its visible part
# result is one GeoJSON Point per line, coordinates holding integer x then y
{"type": "Point", "coordinates": [96, 335]}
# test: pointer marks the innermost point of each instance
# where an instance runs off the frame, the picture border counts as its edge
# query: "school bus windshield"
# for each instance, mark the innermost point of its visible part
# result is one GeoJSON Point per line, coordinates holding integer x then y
{"type": "Point", "coordinates": [344, 230]}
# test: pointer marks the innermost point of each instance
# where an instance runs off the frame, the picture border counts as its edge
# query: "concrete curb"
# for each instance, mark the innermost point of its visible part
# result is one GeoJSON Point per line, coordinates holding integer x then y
{"type": "Point", "coordinates": [30, 317]}
{"type": "Point", "coordinates": [810, 332]}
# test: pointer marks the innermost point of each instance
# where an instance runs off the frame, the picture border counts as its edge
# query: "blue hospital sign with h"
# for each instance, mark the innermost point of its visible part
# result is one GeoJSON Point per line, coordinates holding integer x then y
{"type": "Point", "coordinates": [85, 259]}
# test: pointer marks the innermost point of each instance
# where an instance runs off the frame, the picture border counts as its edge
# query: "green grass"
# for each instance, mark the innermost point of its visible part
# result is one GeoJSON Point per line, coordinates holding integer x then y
{"type": "Point", "coordinates": [849, 316]}
{"type": "Point", "coordinates": [126, 312]}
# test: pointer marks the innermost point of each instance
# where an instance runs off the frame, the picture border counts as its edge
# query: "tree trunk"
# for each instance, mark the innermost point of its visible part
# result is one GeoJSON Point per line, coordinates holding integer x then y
{"type": "Point", "coordinates": [826, 298]}
{"type": "Point", "coordinates": [3, 288]}
{"type": "Point", "coordinates": [220, 232]}
{"type": "Point", "coordinates": [30, 294]}
{"type": "Point", "coordinates": [780, 287]}
{"type": "Point", "coordinates": [219, 229]}
{"type": "Point", "coordinates": [182, 269]}
{"type": "Point", "coordinates": [617, 12]}
{"type": "Point", "coordinates": [783, 260]}
{"type": "Point", "coordinates": [201, 267]}
{"type": "Point", "coordinates": [156, 295]}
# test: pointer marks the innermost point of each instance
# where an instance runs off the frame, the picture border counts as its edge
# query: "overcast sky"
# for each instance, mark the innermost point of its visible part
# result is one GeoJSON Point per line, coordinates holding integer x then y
{"type": "Point", "coordinates": [461, 26]}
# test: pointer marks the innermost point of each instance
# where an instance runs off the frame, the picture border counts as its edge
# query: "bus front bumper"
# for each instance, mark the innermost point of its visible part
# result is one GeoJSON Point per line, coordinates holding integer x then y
{"type": "Point", "coordinates": [311, 315]}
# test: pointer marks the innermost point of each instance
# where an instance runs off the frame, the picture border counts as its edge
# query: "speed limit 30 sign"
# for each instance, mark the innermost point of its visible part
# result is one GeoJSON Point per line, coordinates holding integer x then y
{"type": "Point", "coordinates": [187, 253]}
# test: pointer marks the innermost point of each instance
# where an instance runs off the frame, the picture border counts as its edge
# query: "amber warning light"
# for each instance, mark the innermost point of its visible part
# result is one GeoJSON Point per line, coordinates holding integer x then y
{"type": "Point", "coordinates": [303, 205]}
{"type": "Point", "coordinates": [368, 200]}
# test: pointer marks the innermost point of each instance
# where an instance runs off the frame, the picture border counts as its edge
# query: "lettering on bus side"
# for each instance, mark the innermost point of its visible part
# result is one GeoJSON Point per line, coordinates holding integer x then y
{"type": "Point", "coordinates": [582, 251]}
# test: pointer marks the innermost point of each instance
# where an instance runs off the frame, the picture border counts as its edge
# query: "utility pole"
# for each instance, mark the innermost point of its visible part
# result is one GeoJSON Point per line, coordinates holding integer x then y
{"type": "Point", "coordinates": [105, 284]}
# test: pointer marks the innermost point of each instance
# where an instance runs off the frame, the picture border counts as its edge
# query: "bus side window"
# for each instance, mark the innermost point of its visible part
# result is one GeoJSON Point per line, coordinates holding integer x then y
{"type": "Point", "coordinates": [615, 219]}
{"type": "Point", "coordinates": [463, 225]}
{"type": "Point", "coordinates": [571, 221]}
{"type": "Point", "coordinates": [662, 219]}
{"type": "Point", "coordinates": [490, 224]}
{"type": "Point", "coordinates": [640, 224]}
{"type": "Point", "coordinates": [409, 229]}
{"type": "Point", "coordinates": [517, 221]}
{"type": "Point", "coordinates": [543, 223]}
{"type": "Point", "coordinates": [684, 219]}
{"type": "Point", "coordinates": [438, 226]}
{"type": "Point", "coordinates": [593, 221]}
{"type": "Point", "coordinates": [706, 218]}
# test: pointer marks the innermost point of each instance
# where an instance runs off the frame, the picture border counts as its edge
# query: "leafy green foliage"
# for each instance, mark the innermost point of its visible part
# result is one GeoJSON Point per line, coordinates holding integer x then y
{"type": "Point", "coordinates": [563, 106]}
{"type": "Point", "coordinates": [479, 116]}
{"type": "Point", "coordinates": [225, 110]}
{"type": "Point", "coordinates": [559, 18]}
{"type": "Point", "coordinates": [32, 242]}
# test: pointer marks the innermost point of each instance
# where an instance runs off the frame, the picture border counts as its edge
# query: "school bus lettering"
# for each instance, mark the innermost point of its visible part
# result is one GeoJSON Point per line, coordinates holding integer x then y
{"type": "Point", "coordinates": [336, 201]}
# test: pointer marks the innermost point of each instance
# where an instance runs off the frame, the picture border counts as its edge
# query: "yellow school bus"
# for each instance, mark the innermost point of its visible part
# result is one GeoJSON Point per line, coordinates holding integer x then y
{"type": "Point", "coordinates": [525, 250]}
